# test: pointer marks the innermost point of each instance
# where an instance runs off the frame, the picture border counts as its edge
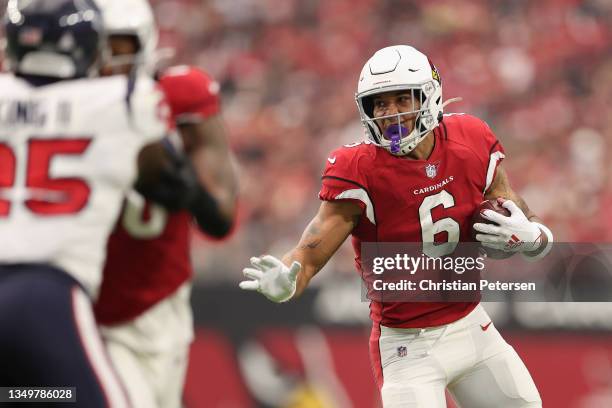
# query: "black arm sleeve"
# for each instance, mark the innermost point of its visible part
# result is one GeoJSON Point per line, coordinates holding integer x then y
{"type": "Point", "coordinates": [206, 212]}
{"type": "Point", "coordinates": [178, 188]}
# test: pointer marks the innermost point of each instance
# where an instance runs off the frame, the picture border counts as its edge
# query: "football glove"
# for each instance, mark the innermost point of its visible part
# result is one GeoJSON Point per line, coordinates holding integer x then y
{"type": "Point", "coordinates": [177, 184]}
{"type": "Point", "coordinates": [272, 278]}
{"type": "Point", "coordinates": [512, 234]}
{"type": "Point", "coordinates": [178, 188]}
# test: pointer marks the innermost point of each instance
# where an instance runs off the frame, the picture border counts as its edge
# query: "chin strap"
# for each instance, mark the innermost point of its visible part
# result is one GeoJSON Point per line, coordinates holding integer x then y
{"type": "Point", "coordinates": [451, 100]}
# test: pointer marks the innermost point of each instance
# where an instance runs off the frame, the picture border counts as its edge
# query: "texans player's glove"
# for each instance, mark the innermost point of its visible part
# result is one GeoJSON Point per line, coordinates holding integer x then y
{"type": "Point", "coordinates": [178, 188]}
{"type": "Point", "coordinates": [514, 233]}
{"type": "Point", "coordinates": [177, 183]}
{"type": "Point", "coordinates": [272, 278]}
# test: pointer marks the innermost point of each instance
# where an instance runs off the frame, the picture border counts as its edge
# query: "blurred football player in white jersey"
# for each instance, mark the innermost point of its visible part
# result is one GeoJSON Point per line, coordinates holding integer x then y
{"type": "Point", "coordinates": [144, 308]}
{"type": "Point", "coordinates": [69, 147]}
{"type": "Point", "coordinates": [420, 176]}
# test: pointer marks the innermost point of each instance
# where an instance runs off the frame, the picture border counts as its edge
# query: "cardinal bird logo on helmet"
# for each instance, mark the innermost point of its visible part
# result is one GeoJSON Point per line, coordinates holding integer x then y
{"type": "Point", "coordinates": [434, 72]}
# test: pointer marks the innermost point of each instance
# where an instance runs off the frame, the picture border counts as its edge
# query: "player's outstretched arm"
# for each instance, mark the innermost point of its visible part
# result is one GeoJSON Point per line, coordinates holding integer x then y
{"type": "Point", "coordinates": [321, 239]}
{"type": "Point", "coordinates": [522, 231]}
{"type": "Point", "coordinates": [207, 146]}
{"type": "Point", "coordinates": [195, 172]}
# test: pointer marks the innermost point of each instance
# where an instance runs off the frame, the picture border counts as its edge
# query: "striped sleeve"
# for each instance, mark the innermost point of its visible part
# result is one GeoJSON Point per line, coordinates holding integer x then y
{"type": "Point", "coordinates": [495, 156]}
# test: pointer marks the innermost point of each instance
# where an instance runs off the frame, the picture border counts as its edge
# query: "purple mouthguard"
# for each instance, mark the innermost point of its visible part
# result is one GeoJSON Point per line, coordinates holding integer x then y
{"type": "Point", "coordinates": [395, 133]}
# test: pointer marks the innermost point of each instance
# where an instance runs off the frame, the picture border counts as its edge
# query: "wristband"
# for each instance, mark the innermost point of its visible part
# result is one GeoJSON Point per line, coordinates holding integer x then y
{"type": "Point", "coordinates": [540, 252]}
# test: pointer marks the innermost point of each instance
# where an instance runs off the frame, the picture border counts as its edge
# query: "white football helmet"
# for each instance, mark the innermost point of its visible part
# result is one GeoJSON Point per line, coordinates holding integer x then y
{"type": "Point", "coordinates": [395, 68]}
{"type": "Point", "coordinates": [134, 18]}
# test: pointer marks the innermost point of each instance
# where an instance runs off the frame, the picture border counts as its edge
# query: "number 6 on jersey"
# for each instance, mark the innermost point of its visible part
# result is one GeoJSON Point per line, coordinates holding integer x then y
{"type": "Point", "coordinates": [429, 229]}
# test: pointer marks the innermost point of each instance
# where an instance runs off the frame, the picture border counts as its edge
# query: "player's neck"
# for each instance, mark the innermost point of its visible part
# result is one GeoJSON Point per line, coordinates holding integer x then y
{"type": "Point", "coordinates": [423, 150]}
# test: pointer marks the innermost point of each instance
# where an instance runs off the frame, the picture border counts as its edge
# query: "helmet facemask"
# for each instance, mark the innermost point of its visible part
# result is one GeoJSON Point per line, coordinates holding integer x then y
{"type": "Point", "coordinates": [397, 138]}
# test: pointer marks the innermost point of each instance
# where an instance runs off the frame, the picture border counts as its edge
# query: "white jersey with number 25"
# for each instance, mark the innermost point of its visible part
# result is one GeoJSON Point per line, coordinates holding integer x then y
{"type": "Point", "coordinates": [68, 155]}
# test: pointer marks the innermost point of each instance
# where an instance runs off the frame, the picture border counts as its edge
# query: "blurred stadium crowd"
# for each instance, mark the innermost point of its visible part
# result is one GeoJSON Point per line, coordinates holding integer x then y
{"type": "Point", "coordinates": [540, 73]}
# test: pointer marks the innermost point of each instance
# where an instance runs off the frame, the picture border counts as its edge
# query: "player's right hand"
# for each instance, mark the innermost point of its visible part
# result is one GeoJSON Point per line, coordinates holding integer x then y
{"type": "Point", "coordinates": [271, 277]}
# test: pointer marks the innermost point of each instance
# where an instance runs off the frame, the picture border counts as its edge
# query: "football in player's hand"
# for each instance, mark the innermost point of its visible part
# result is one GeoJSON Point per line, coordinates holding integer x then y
{"type": "Point", "coordinates": [477, 217]}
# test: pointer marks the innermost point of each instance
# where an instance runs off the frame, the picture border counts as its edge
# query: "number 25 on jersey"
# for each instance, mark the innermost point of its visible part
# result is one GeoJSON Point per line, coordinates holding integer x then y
{"type": "Point", "coordinates": [41, 193]}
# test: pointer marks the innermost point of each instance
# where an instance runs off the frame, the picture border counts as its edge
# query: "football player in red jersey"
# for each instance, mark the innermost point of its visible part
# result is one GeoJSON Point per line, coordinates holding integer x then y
{"type": "Point", "coordinates": [143, 306]}
{"type": "Point", "coordinates": [420, 173]}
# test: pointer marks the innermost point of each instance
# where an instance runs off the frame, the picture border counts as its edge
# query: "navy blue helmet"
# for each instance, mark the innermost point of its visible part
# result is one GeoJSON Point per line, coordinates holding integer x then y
{"type": "Point", "coordinates": [54, 38]}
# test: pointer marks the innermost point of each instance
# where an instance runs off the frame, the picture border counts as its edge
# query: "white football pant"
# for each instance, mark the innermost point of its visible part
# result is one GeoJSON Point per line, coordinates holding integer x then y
{"type": "Point", "coordinates": [469, 357]}
{"type": "Point", "coordinates": [151, 352]}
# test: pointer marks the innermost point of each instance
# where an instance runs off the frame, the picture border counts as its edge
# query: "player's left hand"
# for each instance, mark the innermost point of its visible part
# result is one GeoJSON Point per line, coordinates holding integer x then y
{"type": "Point", "coordinates": [512, 234]}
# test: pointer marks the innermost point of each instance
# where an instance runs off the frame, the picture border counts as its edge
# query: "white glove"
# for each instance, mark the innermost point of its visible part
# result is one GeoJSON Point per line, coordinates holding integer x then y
{"type": "Point", "coordinates": [513, 234]}
{"type": "Point", "coordinates": [272, 278]}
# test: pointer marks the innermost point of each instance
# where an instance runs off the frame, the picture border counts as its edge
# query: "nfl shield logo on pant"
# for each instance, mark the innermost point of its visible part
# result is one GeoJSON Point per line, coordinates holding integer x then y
{"type": "Point", "coordinates": [402, 351]}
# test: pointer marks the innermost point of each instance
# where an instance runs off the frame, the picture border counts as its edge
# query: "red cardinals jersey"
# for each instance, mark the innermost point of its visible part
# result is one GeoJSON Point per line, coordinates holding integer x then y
{"type": "Point", "coordinates": [405, 200]}
{"type": "Point", "coordinates": [148, 252]}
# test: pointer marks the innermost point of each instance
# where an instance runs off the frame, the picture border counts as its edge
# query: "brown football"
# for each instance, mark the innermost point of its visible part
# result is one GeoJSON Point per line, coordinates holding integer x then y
{"type": "Point", "coordinates": [493, 205]}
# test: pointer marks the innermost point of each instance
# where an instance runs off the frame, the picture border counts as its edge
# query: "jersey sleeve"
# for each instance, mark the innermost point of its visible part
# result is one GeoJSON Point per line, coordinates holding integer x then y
{"type": "Point", "coordinates": [344, 179]}
{"type": "Point", "coordinates": [191, 93]}
{"type": "Point", "coordinates": [494, 156]}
